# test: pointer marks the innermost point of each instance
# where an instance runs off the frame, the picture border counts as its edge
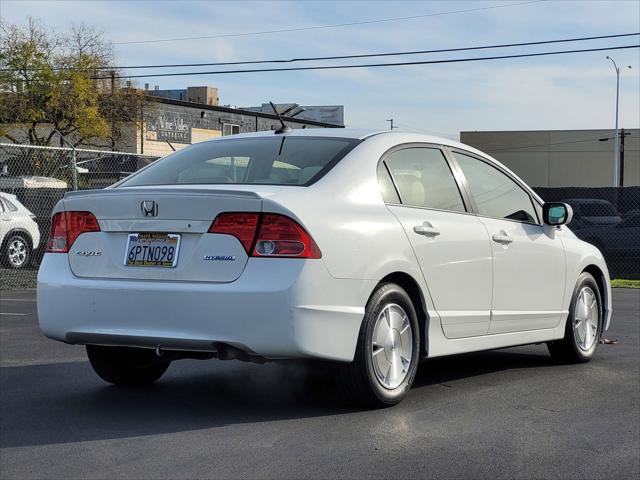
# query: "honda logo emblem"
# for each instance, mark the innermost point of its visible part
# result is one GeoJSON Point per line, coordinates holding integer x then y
{"type": "Point", "coordinates": [149, 208]}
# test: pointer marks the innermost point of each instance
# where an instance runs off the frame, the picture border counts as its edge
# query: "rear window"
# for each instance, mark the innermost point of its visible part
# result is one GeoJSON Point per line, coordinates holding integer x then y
{"type": "Point", "coordinates": [277, 160]}
{"type": "Point", "coordinates": [10, 206]}
{"type": "Point", "coordinates": [598, 210]}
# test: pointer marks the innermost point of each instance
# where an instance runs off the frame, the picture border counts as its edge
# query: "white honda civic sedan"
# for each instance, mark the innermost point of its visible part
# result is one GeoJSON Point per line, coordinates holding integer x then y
{"type": "Point", "coordinates": [370, 250]}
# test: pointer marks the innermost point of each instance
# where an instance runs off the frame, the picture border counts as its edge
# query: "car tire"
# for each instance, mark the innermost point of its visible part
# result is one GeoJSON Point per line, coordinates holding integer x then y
{"type": "Point", "coordinates": [381, 375]}
{"type": "Point", "coordinates": [16, 251]}
{"type": "Point", "coordinates": [126, 366]}
{"type": "Point", "coordinates": [584, 324]}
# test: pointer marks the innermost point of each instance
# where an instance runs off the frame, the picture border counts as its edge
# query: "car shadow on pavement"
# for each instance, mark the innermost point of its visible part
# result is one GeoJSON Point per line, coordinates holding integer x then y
{"type": "Point", "coordinates": [444, 370]}
{"type": "Point", "coordinates": [66, 402]}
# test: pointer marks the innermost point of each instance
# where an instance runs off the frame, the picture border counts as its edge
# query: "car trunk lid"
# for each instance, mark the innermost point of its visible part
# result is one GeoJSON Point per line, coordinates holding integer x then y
{"type": "Point", "coordinates": [184, 213]}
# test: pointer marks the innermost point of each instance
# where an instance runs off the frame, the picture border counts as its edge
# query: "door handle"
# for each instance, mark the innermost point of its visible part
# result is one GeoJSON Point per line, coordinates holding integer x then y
{"type": "Point", "coordinates": [426, 229]}
{"type": "Point", "coordinates": [502, 238]}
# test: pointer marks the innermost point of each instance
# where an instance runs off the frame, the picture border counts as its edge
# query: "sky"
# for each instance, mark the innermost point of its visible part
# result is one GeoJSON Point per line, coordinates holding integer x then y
{"type": "Point", "coordinates": [555, 92]}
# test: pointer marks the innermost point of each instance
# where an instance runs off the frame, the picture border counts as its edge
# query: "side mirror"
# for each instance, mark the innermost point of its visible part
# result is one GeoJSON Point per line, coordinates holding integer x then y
{"type": "Point", "coordinates": [556, 213]}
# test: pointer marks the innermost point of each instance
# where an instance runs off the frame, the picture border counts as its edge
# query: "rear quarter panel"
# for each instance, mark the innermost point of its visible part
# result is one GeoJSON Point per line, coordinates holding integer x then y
{"type": "Point", "coordinates": [345, 214]}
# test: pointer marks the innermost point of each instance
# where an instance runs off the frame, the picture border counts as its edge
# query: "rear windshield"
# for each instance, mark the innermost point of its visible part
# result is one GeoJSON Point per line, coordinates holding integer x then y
{"type": "Point", "coordinates": [277, 160]}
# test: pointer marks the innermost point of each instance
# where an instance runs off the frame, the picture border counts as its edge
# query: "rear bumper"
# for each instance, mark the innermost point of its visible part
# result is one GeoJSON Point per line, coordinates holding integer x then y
{"type": "Point", "coordinates": [284, 308]}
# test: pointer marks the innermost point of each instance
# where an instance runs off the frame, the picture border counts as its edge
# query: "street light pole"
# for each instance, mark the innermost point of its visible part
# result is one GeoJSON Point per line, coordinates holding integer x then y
{"type": "Point", "coordinates": [616, 146]}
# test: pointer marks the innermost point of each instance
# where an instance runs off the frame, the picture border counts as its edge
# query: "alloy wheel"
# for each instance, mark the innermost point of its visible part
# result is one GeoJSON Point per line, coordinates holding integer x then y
{"type": "Point", "coordinates": [17, 251]}
{"type": "Point", "coordinates": [585, 319]}
{"type": "Point", "coordinates": [392, 346]}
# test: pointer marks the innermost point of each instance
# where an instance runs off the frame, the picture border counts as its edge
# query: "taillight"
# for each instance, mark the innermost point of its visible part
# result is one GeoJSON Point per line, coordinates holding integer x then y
{"type": "Point", "coordinates": [280, 236]}
{"type": "Point", "coordinates": [241, 225]}
{"type": "Point", "coordinates": [267, 235]}
{"type": "Point", "coordinates": [67, 226]}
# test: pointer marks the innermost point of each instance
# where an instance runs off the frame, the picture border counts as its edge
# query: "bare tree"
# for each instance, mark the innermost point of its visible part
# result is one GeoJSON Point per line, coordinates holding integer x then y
{"type": "Point", "coordinates": [84, 40]}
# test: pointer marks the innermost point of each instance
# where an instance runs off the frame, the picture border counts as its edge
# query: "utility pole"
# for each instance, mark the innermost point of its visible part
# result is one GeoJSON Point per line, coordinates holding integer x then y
{"type": "Point", "coordinates": [113, 107]}
{"type": "Point", "coordinates": [622, 135]}
{"type": "Point", "coordinates": [391, 124]}
{"type": "Point", "coordinates": [616, 148]}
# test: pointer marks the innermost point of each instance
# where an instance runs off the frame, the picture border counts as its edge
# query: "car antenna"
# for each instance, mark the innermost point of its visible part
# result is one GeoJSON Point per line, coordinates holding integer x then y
{"type": "Point", "coordinates": [283, 128]}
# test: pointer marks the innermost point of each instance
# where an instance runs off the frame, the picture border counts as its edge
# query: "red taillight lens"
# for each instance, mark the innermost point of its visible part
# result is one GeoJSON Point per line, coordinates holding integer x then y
{"type": "Point", "coordinates": [67, 226]}
{"type": "Point", "coordinates": [280, 236]}
{"type": "Point", "coordinates": [241, 225]}
{"type": "Point", "coordinates": [267, 235]}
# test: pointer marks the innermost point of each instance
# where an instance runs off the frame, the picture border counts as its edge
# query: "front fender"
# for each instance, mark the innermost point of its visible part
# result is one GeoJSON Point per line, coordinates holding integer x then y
{"type": "Point", "coordinates": [582, 256]}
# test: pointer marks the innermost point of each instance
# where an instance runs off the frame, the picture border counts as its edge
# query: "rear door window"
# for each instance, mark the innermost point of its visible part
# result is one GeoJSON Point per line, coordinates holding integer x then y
{"type": "Point", "coordinates": [424, 179]}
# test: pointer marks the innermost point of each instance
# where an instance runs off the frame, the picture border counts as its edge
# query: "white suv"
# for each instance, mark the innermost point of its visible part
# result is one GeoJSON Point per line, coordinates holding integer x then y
{"type": "Point", "coordinates": [19, 233]}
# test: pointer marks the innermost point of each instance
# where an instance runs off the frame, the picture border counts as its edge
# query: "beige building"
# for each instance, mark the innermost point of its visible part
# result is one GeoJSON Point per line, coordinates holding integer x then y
{"type": "Point", "coordinates": [561, 158]}
{"type": "Point", "coordinates": [166, 124]}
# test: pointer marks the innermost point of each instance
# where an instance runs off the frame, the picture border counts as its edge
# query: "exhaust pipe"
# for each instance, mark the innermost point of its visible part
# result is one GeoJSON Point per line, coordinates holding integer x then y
{"type": "Point", "coordinates": [229, 352]}
{"type": "Point", "coordinates": [222, 351]}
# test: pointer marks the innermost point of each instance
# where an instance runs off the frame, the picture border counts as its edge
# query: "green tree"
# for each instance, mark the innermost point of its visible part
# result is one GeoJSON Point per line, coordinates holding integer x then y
{"type": "Point", "coordinates": [47, 84]}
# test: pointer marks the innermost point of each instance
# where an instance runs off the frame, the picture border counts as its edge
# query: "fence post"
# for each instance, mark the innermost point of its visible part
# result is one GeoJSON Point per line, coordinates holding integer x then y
{"type": "Point", "coordinates": [74, 171]}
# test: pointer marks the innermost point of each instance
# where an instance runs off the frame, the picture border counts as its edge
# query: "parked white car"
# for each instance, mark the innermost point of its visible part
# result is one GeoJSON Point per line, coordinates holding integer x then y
{"type": "Point", "coordinates": [371, 250]}
{"type": "Point", "coordinates": [19, 233]}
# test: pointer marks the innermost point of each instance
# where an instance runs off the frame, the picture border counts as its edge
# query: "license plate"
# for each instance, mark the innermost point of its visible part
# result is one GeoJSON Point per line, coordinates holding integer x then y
{"type": "Point", "coordinates": [152, 250]}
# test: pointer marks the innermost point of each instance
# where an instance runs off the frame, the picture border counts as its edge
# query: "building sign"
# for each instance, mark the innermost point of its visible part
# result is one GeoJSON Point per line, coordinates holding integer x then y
{"type": "Point", "coordinates": [168, 128]}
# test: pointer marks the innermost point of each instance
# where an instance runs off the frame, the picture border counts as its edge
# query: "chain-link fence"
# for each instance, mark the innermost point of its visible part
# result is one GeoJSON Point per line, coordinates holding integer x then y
{"type": "Point", "coordinates": [33, 179]}
{"type": "Point", "coordinates": [608, 218]}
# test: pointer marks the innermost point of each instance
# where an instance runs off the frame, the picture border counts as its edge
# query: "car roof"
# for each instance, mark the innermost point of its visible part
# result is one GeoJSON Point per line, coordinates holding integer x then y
{"type": "Point", "coordinates": [356, 134]}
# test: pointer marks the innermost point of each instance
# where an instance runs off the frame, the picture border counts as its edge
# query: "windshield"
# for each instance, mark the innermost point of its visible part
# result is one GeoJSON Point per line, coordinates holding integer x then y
{"type": "Point", "coordinates": [277, 160]}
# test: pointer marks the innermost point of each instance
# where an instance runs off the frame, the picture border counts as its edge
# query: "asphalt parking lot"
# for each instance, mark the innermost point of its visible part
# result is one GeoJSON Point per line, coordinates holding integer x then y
{"type": "Point", "coordinates": [503, 414]}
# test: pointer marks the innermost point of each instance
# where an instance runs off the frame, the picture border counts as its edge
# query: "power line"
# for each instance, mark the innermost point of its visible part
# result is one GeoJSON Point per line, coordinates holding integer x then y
{"type": "Point", "coordinates": [319, 27]}
{"type": "Point", "coordinates": [344, 57]}
{"type": "Point", "coordinates": [369, 65]}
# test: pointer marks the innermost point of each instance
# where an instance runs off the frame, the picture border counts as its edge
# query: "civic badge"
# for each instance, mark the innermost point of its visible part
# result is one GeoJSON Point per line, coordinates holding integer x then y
{"type": "Point", "coordinates": [87, 253]}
